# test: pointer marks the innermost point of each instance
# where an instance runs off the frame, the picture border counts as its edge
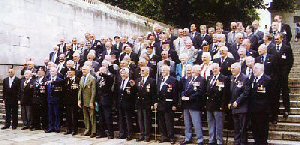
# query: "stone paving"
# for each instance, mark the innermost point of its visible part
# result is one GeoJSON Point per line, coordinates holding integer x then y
{"type": "Point", "coordinates": [27, 137]}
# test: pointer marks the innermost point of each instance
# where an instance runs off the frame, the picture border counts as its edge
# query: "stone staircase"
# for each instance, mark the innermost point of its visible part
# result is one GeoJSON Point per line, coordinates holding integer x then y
{"type": "Point", "coordinates": [287, 131]}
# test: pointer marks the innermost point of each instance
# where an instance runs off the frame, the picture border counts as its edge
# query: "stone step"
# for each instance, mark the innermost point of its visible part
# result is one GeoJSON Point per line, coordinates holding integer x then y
{"type": "Point", "coordinates": [282, 126]}
{"type": "Point", "coordinates": [290, 119]}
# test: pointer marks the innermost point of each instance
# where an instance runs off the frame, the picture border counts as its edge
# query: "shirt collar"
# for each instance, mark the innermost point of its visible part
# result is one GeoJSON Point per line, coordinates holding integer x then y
{"type": "Point", "coordinates": [12, 77]}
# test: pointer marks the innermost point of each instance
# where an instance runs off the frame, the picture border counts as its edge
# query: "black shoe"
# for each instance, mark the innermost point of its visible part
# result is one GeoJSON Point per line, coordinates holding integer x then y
{"type": "Point", "coordinates": [24, 128]}
{"type": "Point", "coordinates": [201, 143]}
{"type": "Point", "coordinates": [147, 140]}
{"type": "Point", "coordinates": [38, 128]}
{"type": "Point", "coordinates": [92, 135]}
{"type": "Point", "coordinates": [57, 131]}
{"type": "Point", "coordinates": [100, 136]}
{"type": "Point", "coordinates": [68, 132]}
{"type": "Point", "coordinates": [128, 138]}
{"type": "Point", "coordinates": [285, 115]}
{"type": "Point", "coordinates": [140, 139]}
{"type": "Point", "coordinates": [86, 134]}
{"type": "Point", "coordinates": [14, 127]}
{"type": "Point", "coordinates": [163, 140]}
{"type": "Point", "coordinates": [5, 127]}
{"type": "Point", "coordinates": [31, 128]}
{"type": "Point", "coordinates": [185, 142]}
{"type": "Point", "coordinates": [49, 131]}
{"type": "Point", "coordinates": [121, 137]}
{"type": "Point", "coordinates": [172, 141]}
{"type": "Point", "coordinates": [74, 133]}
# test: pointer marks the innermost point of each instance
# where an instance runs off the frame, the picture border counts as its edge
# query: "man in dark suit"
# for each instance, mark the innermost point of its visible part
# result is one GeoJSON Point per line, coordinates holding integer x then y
{"type": "Point", "coordinates": [193, 98]}
{"type": "Point", "coordinates": [203, 39]}
{"type": "Point", "coordinates": [285, 62]}
{"type": "Point", "coordinates": [239, 89]}
{"type": "Point", "coordinates": [145, 98]}
{"type": "Point", "coordinates": [11, 87]}
{"type": "Point", "coordinates": [224, 61]}
{"type": "Point", "coordinates": [69, 52]}
{"type": "Point", "coordinates": [128, 52]}
{"type": "Point", "coordinates": [236, 46]}
{"type": "Point", "coordinates": [283, 28]}
{"type": "Point", "coordinates": [104, 85]}
{"type": "Point", "coordinates": [78, 63]}
{"type": "Point", "coordinates": [257, 32]}
{"type": "Point", "coordinates": [268, 40]}
{"type": "Point", "coordinates": [61, 46]}
{"type": "Point", "coordinates": [27, 89]}
{"type": "Point", "coordinates": [108, 51]}
{"type": "Point", "coordinates": [127, 95]}
{"type": "Point", "coordinates": [260, 104]}
{"type": "Point", "coordinates": [166, 103]}
{"type": "Point", "coordinates": [249, 51]}
{"type": "Point", "coordinates": [39, 101]}
{"type": "Point", "coordinates": [54, 55]}
{"type": "Point", "coordinates": [193, 32]}
{"type": "Point", "coordinates": [71, 85]}
{"type": "Point", "coordinates": [217, 99]}
{"type": "Point", "coordinates": [55, 86]}
{"type": "Point", "coordinates": [252, 37]}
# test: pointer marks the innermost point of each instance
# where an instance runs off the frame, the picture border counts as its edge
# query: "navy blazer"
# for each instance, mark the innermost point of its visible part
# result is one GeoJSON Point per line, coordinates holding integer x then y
{"type": "Point", "coordinates": [166, 99]}
{"type": "Point", "coordinates": [55, 90]}
{"type": "Point", "coordinates": [240, 90]}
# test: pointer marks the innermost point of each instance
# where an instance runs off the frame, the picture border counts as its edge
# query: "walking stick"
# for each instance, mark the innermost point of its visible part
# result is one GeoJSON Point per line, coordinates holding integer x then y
{"type": "Point", "coordinates": [155, 124]}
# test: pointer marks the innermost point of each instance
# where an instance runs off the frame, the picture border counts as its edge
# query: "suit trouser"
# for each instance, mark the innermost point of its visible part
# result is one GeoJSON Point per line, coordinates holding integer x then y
{"type": "Point", "coordinates": [11, 111]}
{"type": "Point", "coordinates": [26, 112]}
{"type": "Point", "coordinates": [193, 117]}
{"type": "Point", "coordinates": [215, 125]}
{"type": "Point", "coordinates": [240, 128]}
{"type": "Point", "coordinates": [144, 119]}
{"type": "Point", "coordinates": [284, 89]}
{"type": "Point", "coordinates": [53, 114]}
{"type": "Point", "coordinates": [72, 117]}
{"type": "Point", "coordinates": [40, 115]}
{"type": "Point", "coordinates": [260, 127]}
{"type": "Point", "coordinates": [89, 120]}
{"type": "Point", "coordinates": [105, 115]}
{"type": "Point", "coordinates": [125, 117]}
{"type": "Point", "coordinates": [166, 123]}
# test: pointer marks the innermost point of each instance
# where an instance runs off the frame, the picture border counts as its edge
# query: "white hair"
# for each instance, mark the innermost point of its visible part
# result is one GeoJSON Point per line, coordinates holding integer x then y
{"type": "Point", "coordinates": [189, 66]}
{"type": "Point", "coordinates": [166, 67]}
{"type": "Point", "coordinates": [70, 62]}
{"type": "Point", "coordinates": [236, 65]}
{"type": "Point", "coordinates": [28, 72]}
{"type": "Point", "coordinates": [214, 65]}
{"type": "Point", "coordinates": [224, 48]}
{"type": "Point", "coordinates": [125, 70]}
{"type": "Point", "coordinates": [260, 66]}
{"type": "Point", "coordinates": [183, 56]}
{"type": "Point", "coordinates": [197, 67]}
{"type": "Point", "coordinates": [206, 54]}
{"type": "Point", "coordinates": [239, 35]}
{"type": "Point", "coordinates": [76, 53]}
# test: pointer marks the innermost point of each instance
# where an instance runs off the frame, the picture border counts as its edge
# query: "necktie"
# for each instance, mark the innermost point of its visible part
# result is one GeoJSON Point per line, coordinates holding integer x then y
{"type": "Point", "coordinates": [238, 47]}
{"type": "Point", "coordinates": [233, 36]}
{"type": "Point", "coordinates": [162, 83]}
{"type": "Point", "coordinates": [213, 81]}
{"type": "Point", "coordinates": [254, 82]}
{"type": "Point", "coordinates": [142, 81]}
{"type": "Point", "coordinates": [122, 85]}
{"type": "Point", "coordinates": [262, 59]}
{"type": "Point", "coordinates": [85, 80]}
{"type": "Point", "coordinates": [277, 48]}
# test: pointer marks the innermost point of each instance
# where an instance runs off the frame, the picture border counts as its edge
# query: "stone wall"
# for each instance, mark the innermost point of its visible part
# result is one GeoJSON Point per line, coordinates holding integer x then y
{"type": "Point", "coordinates": [30, 28]}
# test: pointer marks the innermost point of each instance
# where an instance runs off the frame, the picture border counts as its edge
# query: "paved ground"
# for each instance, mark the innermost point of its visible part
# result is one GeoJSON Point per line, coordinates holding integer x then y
{"type": "Point", "coordinates": [27, 137]}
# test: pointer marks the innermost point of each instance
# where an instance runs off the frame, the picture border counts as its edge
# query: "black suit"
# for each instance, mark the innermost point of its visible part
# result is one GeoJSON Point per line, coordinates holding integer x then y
{"type": "Point", "coordinates": [69, 55]}
{"type": "Point", "coordinates": [70, 101]}
{"type": "Point", "coordinates": [200, 41]}
{"type": "Point", "coordinates": [225, 65]}
{"type": "Point", "coordinates": [145, 98]}
{"type": "Point", "coordinates": [127, 96]}
{"type": "Point", "coordinates": [252, 53]}
{"type": "Point", "coordinates": [240, 89]}
{"type": "Point", "coordinates": [259, 107]}
{"type": "Point", "coordinates": [217, 94]}
{"type": "Point", "coordinates": [234, 50]}
{"type": "Point", "coordinates": [10, 96]}
{"type": "Point", "coordinates": [286, 29]}
{"type": "Point", "coordinates": [134, 57]}
{"type": "Point", "coordinates": [51, 57]}
{"type": "Point", "coordinates": [254, 41]}
{"type": "Point", "coordinates": [167, 97]}
{"type": "Point", "coordinates": [27, 90]}
{"type": "Point", "coordinates": [40, 104]}
{"type": "Point", "coordinates": [105, 101]}
{"type": "Point", "coordinates": [62, 47]}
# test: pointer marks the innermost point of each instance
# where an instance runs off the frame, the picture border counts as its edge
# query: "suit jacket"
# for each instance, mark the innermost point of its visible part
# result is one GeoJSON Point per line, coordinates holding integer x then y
{"type": "Point", "coordinates": [112, 52]}
{"type": "Point", "coordinates": [104, 89]}
{"type": "Point", "coordinates": [194, 89]}
{"type": "Point", "coordinates": [127, 96]}
{"type": "Point", "coordinates": [286, 29]}
{"type": "Point", "coordinates": [61, 47]}
{"type": "Point", "coordinates": [27, 90]}
{"type": "Point", "coordinates": [260, 35]}
{"type": "Point", "coordinates": [217, 93]}
{"type": "Point", "coordinates": [160, 64]}
{"type": "Point", "coordinates": [69, 55]}
{"type": "Point", "coordinates": [231, 37]}
{"type": "Point", "coordinates": [240, 90]}
{"type": "Point", "coordinates": [87, 90]}
{"type": "Point", "coordinates": [40, 91]}
{"type": "Point", "coordinates": [55, 90]}
{"type": "Point", "coordinates": [252, 53]}
{"type": "Point", "coordinates": [234, 50]}
{"type": "Point", "coordinates": [286, 59]}
{"type": "Point", "coordinates": [260, 96]}
{"type": "Point", "coordinates": [134, 57]}
{"type": "Point", "coordinates": [167, 96]}
{"type": "Point", "coordinates": [225, 66]}
{"type": "Point", "coordinates": [56, 61]}
{"type": "Point", "coordinates": [71, 91]}
{"type": "Point", "coordinates": [270, 65]}
{"type": "Point", "coordinates": [146, 93]}
{"type": "Point", "coordinates": [254, 41]}
{"type": "Point", "coordinates": [11, 94]}
{"type": "Point", "coordinates": [199, 41]}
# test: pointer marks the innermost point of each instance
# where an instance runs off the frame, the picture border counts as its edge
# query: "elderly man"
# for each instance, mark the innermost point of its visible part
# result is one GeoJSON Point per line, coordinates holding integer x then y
{"type": "Point", "coordinates": [11, 87]}
{"type": "Point", "coordinates": [224, 61]}
{"type": "Point", "coordinates": [127, 95]}
{"type": "Point", "coordinates": [203, 39]}
{"type": "Point", "coordinates": [165, 61]}
{"type": "Point", "coordinates": [217, 99]}
{"type": "Point", "coordinates": [236, 46]}
{"type": "Point", "coordinates": [231, 35]}
{"type": "Point", "coordinates": [205, 66]}
{"type": "Point", "coordinates": [145, 98]}
{"type": "Point", "coordinates": [166, 103]}
{"type": "Point", "coordinates": [260, 102]}
{"type": "Point", "coordinates": [240, 89]}
{"type": "Point", "coordinates": [190, 51]}
{"type": "Point", "coordinates": [128, 52]}
{"type": "Point", "coordinates": [242, 58]}
{"type": "Point", "coordinates": [54, 88]}
{"type": "Point", "coordinates": [249, 50]}
{"type": "Point", "coordinates": [27, 90]}
{"type": "Point", "coordinates": [250, 61]}
{"type": "Point", "coordinates": [54, 55]}
{"type": "Point", "coordinates": [86, 101]}
{"type": "Point", "coordinates": [193, 96]}
{"type": "Point", "coordinates": [181, 67]}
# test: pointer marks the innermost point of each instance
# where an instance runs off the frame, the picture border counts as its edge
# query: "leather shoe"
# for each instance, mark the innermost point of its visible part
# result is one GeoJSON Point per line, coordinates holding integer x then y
{"type": "Point", "coordinates": [57, 131]}
{"type": "Point", "coordinates": [140, 139]}
{"type": "Point", "coordinates": [201, 143]}
{"type": "Point", "coordinates": [163, 140]}
{"type": "Point", "coordinates": [4, 127]}
{"type": "Point", "coordinates": [172, 141]}
{"type": "Point", "coordinates": [24, 128]}
{"type": "Point", "coordinates": [185, 142]}
{"type": "Point", "coordinates": [110, 137]}
{"type": "Point", "coordinates": [86, 133]}
{"type": "Point", "coordinates": [129, 138]}
{"type": "Point", "coordinates": [68, 132]}
{"type": "Point", "coordinates": [74, 133]}
{"type": "Point", "coordinates": [121, 137]}
{"type": "Point", "coordinates": [285, 115]}
{"type": "Point", "coordinates": [92, 135]}
{"type": "Point", "coordinates": [14, 127]}
{"type": "Point", "coordinates": [147, 140]}
{"type": "Point", "coordinates": [48, 131]}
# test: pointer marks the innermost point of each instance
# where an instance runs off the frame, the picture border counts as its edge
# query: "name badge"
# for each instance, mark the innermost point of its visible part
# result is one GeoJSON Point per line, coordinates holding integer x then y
{"type": "Point", "coordinates": [240, 84]}
{"type": "Point", "coordinates": [185, 98]}
{"type": "Point", "coordinates": [261, 89]}
{"type": "Point", "coordinates": [169, 100]}
{"type": "Point", "coordinates": [283, 56]}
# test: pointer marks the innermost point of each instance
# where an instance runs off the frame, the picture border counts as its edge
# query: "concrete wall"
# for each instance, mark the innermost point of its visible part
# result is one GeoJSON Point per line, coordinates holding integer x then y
{"type": "Point", "coordinates": [30, 28]}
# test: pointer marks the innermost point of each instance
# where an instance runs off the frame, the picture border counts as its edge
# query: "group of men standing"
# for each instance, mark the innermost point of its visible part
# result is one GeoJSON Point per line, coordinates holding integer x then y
{"type": "Point", "coordinates": [216, 72]}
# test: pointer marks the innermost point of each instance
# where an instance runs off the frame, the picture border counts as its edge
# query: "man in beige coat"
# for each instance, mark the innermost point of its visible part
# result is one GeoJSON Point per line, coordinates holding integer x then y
{"type": "Point", "coordinates": [86, 97]}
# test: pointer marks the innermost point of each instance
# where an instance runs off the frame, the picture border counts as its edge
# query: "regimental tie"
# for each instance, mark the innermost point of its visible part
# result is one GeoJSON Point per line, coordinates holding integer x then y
{"type": "Point", "coordinates": [277, 48]}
